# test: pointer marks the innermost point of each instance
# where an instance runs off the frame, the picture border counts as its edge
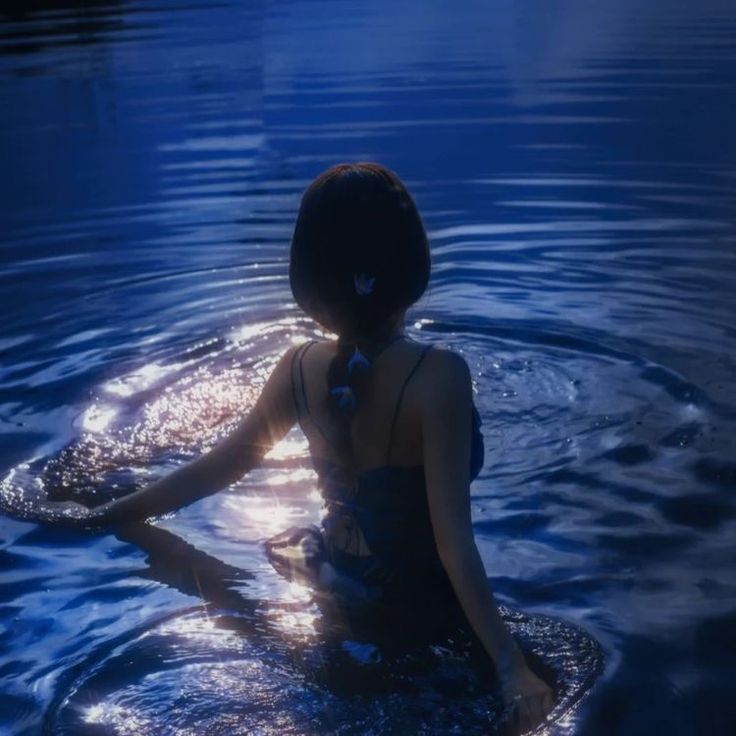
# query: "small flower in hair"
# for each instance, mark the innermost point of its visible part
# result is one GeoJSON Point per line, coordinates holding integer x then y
{"type": "Point", "coordinates": [346, 400]}
{"type": "Point", "coordinates": [358, 361]}
{"type": "Point", "coordinates": [363, 283]}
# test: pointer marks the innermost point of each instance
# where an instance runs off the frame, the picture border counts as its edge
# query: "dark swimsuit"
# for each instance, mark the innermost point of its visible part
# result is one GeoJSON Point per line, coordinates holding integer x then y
{"type": "Point", "coordinates": [402, 576]}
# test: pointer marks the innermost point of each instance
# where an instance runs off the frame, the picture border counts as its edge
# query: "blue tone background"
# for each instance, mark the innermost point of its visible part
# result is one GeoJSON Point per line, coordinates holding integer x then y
{"type": "Point", "coordinates": [575, 166]}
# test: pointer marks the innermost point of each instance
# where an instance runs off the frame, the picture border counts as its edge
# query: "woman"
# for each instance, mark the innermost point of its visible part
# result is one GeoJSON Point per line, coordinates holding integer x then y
{"type": "Point", "coordinates": [392, 428]}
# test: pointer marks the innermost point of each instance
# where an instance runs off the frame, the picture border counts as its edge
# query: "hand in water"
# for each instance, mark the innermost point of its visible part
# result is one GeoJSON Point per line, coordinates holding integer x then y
{"type": "Point", "coordinates": [529, 698]}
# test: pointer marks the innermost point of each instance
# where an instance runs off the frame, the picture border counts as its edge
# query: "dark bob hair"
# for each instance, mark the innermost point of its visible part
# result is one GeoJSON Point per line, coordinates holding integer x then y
{"type": "Point", "coordinates": [359, 252]}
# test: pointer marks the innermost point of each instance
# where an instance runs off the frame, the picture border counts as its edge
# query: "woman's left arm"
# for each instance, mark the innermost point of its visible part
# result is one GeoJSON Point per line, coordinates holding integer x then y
{"type": "Point", "coordinates": [272, 416]}
{"type": "Point", "coordinates": [446, 422]}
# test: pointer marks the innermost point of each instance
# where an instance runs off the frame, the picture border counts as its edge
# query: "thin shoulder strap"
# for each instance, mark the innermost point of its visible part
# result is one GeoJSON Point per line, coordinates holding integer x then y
{"type": "Point", "coordinates": [398, 402]}
{"type": "Point", "coordinates": [298, 355]}
{"type": "Point", "coordinates": [302, 352]}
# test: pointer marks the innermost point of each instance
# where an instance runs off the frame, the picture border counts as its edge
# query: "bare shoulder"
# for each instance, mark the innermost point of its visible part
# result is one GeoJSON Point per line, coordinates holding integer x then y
{"type": "Point", "coordinates": [324, 348]}
{"type": "Point", "coordinates": [445, 365]}
{"type": "Point", "coordinates": [444, 412]}
{"type": "Point", "coordinates": [279, 380]}
{"type": "Point", "coordinates": [314, 347]}
{"type": "Point", "coordinates": [446, 375]}
{"type": "Point", "coordinates": [311, 356]}
{"type": "Point", "coordinates": [284, 362]}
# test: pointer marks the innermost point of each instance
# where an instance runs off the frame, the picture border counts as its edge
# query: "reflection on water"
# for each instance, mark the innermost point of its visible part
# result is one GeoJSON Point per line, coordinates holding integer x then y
{"type": "Point", "coordinates": [241, 665]}
{"type": "Point", "coordinates": [577, 175]}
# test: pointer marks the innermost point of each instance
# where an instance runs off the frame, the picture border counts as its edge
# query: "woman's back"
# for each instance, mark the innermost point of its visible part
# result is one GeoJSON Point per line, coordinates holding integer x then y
{"type": "Point", "coordinates": [376, 529]}
{"type": "Point", "coordinates": [385, 430]}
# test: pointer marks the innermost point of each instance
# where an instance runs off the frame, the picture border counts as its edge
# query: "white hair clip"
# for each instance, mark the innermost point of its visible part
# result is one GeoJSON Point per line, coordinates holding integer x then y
{"type": "Point", "coordinates": [363, 283]}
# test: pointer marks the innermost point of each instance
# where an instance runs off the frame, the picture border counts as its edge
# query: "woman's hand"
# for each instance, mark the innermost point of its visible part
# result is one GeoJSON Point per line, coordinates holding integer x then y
{"type": "Point", "coordinates": [529, 698]}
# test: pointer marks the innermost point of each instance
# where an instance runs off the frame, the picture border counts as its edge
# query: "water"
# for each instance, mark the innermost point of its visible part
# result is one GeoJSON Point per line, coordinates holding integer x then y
{"type": "Point", "coordinates": [576, 172]}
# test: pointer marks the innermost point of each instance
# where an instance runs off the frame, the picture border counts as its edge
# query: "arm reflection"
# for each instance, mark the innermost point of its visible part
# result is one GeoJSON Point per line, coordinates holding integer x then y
{"type": "Point", "coordinates": [179, 564]}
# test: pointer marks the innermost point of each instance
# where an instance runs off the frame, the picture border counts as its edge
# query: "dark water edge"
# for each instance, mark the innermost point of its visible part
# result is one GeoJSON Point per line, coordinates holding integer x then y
{"type": "Point", "coordinates": [576, 171]}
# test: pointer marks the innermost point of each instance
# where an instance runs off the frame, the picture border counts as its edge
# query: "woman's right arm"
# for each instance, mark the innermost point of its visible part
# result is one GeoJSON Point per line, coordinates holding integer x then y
{"type": "Point", "coordinates": [446, 441]}
{"type": "Point", "coordinates": [241, 450]}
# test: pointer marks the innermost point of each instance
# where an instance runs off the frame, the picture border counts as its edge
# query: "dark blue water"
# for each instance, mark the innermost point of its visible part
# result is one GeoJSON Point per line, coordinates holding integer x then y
{"type": "Point", "coordinates": [576, 169]}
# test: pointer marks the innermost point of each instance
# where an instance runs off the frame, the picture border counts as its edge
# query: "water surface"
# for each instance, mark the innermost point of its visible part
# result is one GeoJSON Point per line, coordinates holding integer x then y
{"type": "Point", "coordinates": [575, 168]}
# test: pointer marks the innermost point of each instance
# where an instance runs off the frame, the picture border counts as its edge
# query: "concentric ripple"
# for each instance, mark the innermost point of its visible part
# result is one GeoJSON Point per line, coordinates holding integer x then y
{"type": "Point", "coordinates": [199, 673]}
{"type": "Point", "coordinates": [575, 168]}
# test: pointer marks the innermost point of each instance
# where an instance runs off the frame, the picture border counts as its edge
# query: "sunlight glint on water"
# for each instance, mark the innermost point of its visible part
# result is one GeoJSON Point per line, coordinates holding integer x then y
{"type": "Point", "coordinates": [574, 166]}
